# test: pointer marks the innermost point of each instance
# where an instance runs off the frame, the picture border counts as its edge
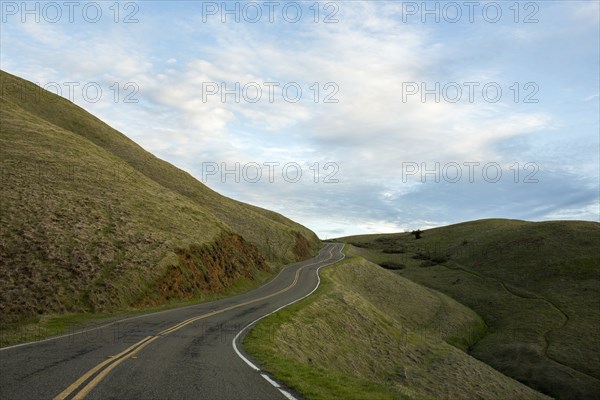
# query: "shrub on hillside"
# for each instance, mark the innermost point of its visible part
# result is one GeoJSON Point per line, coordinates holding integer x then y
{"type": "Point", "coordinates": [393, 251]}
{"type": "Point", "coordinates": [392, 265]}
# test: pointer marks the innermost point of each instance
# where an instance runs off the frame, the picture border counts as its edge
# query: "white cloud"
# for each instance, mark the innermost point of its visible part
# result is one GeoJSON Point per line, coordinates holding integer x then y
{"type": "Point", "coordinates": [588, 212]}
{"type": "Point", "coordinates": [369, 54]}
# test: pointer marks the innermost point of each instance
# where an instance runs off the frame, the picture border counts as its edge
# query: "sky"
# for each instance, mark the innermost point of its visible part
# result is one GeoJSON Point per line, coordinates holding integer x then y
{"type": "Point", "coordinates": [349, 117]}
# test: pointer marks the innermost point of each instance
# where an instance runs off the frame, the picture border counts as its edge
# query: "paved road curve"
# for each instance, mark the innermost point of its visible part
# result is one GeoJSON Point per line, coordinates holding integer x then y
{"type": "Point", "coordinates": [184, 353]}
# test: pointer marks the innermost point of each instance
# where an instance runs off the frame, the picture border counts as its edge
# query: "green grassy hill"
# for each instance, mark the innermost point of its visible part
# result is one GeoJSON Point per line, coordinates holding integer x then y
{"type": "Point", "coordinates": [91, 222]}
{"type": "Point", "coordinates": [536, 286]}
{"type": "Point", "coordinates": [369, 333]}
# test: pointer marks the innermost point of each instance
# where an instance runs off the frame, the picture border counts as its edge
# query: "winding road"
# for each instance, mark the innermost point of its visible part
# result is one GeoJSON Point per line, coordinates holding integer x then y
{"type": "Point", "coordinates": [191, 352]}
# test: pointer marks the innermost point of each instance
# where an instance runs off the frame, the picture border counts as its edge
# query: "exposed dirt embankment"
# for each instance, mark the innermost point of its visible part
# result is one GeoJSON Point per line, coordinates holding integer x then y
{"type": "Point", "coordinates": [59, 286]}
{"type": "Point", "coordinates": [210, 268]}
{"type": "Point", "coordinates": [302, 248]}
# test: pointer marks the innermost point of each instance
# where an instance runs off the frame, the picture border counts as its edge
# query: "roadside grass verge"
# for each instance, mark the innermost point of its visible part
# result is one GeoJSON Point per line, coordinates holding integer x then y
{"type": "Point", "coordinates": [368, 333]}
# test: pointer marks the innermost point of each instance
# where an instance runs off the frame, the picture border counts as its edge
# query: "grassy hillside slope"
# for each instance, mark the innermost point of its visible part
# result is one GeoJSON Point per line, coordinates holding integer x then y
{"type": "Point", "coordinates": [536, 285]}
{"type": "Point", "coordinates": [272, 233]}
{"type": "Point", "coordinates": [368, 333]}
{"type": "Point", "coordinates": [91, 222]}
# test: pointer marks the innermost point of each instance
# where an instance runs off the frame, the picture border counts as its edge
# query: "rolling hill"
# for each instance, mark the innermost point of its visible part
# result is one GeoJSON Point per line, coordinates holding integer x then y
{"type": "Point", "coordinates": [369, 333]}
{"type": "Point", "coordinates": [535, 284]}
{"type": "Point", "coordinates": [91, 222]}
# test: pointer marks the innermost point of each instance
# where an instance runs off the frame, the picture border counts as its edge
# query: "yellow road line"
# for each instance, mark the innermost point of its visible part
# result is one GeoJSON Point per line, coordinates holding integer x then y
{"type": "Point", "coordinates": [119, 358]}
{"type": "Point", "coordinates": [210, 314]}
{"type": "Point", "coordinates": [65, 393]}
{"type": "Point", "coordinates": [193, 319]}
{"type": "Point", "coordinates": [83, 392]}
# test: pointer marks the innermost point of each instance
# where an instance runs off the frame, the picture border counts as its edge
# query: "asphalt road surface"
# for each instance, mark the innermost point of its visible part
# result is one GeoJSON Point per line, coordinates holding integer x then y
{"type": "Point", "coordinates": [184, 353]}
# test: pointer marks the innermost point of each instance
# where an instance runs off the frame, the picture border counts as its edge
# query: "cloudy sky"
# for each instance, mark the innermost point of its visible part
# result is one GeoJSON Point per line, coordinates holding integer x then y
{"type": "Point", "coordinates": [397, 115]}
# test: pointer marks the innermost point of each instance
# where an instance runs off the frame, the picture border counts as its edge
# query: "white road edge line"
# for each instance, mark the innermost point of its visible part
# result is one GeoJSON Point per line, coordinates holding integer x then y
{"type": "Point", "coordinates": [271, 381]}
{"type": "Point", "coordinates": [288, 395]}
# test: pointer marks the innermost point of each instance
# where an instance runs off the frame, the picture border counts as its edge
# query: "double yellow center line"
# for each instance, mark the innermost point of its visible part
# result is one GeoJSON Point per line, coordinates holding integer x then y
{"type": "Point", "coordinates": [113, 361]}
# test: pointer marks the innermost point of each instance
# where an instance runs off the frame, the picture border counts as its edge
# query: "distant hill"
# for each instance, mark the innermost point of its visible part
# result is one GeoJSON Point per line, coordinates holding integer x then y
{"type": "Point", "coordinates": [535, 284]}
{"type": "Point", "coordinates": [90, 221]}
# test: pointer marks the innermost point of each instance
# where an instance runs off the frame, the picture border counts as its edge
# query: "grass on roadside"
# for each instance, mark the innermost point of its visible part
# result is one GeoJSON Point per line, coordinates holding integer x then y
{"type": "Point", "coordinates": [368, 333]}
